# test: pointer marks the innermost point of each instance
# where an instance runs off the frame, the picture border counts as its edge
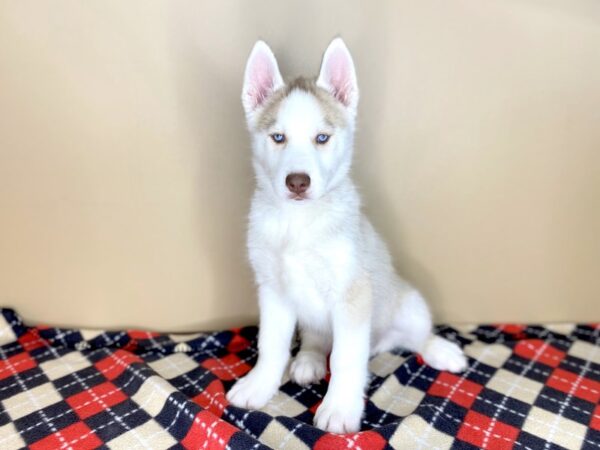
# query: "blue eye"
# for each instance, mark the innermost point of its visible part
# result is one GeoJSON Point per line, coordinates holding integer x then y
{"type": "Point", "coordinates": [278, 138]}
{"type": "Point", "coordinates": [322, 138]}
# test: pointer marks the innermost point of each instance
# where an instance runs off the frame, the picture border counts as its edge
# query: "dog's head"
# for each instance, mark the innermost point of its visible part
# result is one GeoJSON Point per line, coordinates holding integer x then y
{"type": "Point", "coordinates": [302, 131]}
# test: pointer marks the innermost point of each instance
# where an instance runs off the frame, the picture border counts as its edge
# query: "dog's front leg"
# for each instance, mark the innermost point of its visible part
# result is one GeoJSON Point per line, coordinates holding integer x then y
{"type": "Point", "coordinates": [343, 405]}
{"type": "Point", "coordinates": [277, 323]}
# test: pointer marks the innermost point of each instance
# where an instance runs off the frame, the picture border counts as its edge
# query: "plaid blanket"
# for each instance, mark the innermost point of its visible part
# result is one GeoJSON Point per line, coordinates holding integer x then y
{"type": "Point", "coordinates": [527, 387]}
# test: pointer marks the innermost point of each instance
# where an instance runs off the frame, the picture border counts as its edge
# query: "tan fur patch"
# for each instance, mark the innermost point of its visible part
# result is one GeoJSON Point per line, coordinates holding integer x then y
{"type": "Point", "coordinates": [359, 299]}
{"type": "Point", "coordinates": [332, 109]}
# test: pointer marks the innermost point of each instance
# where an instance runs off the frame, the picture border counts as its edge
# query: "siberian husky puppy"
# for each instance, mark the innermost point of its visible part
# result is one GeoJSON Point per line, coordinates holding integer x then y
{"type": "Point", "coordinates": [319, 265]}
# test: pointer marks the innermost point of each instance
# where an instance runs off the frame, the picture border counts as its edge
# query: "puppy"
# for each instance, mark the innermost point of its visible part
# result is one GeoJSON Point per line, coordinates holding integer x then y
{"type": "Point", "coordinates": [319, 265]}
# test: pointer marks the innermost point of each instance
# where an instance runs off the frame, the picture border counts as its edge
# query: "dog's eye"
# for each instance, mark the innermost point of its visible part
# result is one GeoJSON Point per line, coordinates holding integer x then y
{"type": "Point", "coordinates": [278, 138]}
{"type": "Point", "coordinates": [322, 138]}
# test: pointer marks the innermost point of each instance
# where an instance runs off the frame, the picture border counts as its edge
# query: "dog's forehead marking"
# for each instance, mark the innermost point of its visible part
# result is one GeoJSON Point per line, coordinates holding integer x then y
{"type": "Point", "coordinates": [300, 114]}
{"type": "Point", "coordinates": [333, 112]}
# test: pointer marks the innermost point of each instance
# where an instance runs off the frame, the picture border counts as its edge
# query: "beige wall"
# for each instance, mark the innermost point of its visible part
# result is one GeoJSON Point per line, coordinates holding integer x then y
{"type": "Point", "coordinates": [124, 161]}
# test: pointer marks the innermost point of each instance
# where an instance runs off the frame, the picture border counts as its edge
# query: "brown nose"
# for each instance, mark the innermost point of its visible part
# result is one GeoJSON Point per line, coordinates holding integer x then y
{"type": "Point", "coordinates": [297, 183]}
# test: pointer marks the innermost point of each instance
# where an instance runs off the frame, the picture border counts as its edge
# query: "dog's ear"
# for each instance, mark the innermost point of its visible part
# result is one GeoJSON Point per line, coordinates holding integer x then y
{"type": "Point", "coordinates": [261, 78]}
{"type": "Point", "coordinates": [338, 76]}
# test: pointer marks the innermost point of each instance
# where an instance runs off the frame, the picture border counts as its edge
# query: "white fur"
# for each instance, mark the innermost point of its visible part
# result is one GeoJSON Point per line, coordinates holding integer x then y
{"type": "Point", "coordinates": [318, 262]}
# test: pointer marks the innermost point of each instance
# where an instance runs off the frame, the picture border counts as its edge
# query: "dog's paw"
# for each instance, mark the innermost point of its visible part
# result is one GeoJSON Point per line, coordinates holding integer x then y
{"type": "Point", "coordinates": [253, 391]}
{"type": "Point", "coordinates": [308, 368]}
{"type": "Point", "coordinates": [444, 355]}
{"type": "Point", "coordinates": [338, 416]}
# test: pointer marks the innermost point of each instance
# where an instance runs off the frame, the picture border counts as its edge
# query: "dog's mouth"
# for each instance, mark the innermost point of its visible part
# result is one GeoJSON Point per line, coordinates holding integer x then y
{"type": "Point", "coordinates": [298, 197]}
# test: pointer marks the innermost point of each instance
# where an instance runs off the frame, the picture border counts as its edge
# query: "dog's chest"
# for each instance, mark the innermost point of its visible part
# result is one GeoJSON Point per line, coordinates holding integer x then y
{"type": "Point", "coordinates": [305, 277]}
{"type": "Point", "coordinates": [306, 265]}
{"type": "Point", "coordinates": [299, 263]}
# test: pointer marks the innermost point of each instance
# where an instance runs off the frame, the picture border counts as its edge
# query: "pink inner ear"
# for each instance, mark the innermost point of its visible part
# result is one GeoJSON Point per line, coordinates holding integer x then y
{"type": "Point", "coordinates": [261, 80]}
{"type": "Point", "coordinates": [339, 75]}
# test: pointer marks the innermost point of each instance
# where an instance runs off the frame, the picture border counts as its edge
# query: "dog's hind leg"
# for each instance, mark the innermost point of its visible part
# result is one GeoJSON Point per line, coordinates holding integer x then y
{"type": "Point", "coordinates": [412, 330]}
{"type": "Point", "coordinates": [310, 364]}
